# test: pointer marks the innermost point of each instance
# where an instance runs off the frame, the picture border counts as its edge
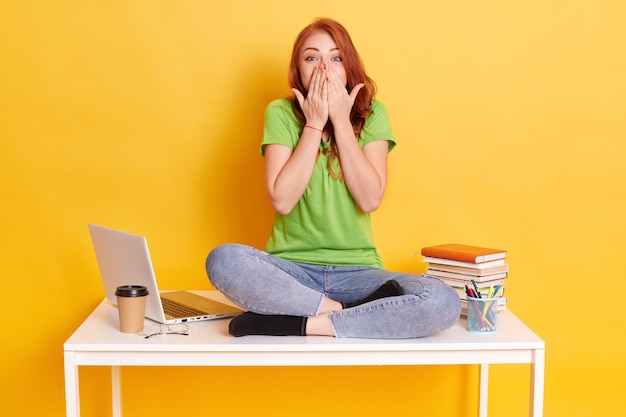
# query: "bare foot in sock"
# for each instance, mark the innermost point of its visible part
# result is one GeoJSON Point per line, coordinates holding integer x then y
{"type": "Point", "coordinates": [250, 323]}
{"type": "Point", "coordinates": [390, 288]}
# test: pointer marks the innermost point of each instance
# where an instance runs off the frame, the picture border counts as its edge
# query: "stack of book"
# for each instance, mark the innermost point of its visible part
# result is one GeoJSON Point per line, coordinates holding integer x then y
{"type": "Point", "coordinates": [459, 265]}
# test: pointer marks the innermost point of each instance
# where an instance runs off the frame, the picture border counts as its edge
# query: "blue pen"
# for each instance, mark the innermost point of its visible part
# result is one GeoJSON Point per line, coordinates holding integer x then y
{"type": "Point", "coordinates": [495, 290]}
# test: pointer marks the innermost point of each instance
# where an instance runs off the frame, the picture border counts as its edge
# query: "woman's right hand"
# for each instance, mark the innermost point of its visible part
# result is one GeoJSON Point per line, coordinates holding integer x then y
{"type": "Point", "coordinates": [315, 105]}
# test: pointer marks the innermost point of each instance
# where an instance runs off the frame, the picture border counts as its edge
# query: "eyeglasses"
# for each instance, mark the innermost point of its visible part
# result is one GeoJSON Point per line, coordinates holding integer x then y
{"type": "Point", "coordinates": [157, 329]}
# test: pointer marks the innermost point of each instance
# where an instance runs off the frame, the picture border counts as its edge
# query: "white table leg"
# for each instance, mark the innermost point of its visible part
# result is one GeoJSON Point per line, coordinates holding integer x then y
{"type": "Point", "coordinates": [483, 398]}
{"type": "Point", "coordinates": [116, 391]}
{"type": "Point", "coordinates": [537, 377]}
{"type": "Point", "coordinates": [72, 395]}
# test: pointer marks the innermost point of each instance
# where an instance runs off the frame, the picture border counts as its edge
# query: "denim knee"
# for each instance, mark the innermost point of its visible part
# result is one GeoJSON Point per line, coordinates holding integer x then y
{"type": "Point", "coordinates": [219, 261]}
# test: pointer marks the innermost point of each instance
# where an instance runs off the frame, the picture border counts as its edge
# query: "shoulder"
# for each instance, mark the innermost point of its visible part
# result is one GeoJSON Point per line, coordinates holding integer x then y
{"type": "Point", "coordinates": [279, 105]}
{"type": "Point", "coordinates": [281, 125]}
{"type": "Point", "coordinates": [378, 120]}
{"type": "Point", "coordinates": [377, 126]}
{"type": "Point", "coordinates": [378, 108]}
{"type": "Point", "coordinates": [279, 102]}
{"type": "Point", "coordinates": [378, 105]}
{"type": "Point", "coordinates": [280, 111]}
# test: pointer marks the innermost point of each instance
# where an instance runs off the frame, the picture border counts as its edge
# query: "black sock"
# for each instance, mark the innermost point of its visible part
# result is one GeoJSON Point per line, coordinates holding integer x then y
{"type": "Point", "coordinates": [390, 288]}
{"type": "Point", "coordinates": [250, 323]}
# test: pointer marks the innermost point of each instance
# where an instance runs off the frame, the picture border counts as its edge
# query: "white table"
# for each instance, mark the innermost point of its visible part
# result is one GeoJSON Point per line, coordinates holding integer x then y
{"type": "Point", "coordinates": [98, 342]}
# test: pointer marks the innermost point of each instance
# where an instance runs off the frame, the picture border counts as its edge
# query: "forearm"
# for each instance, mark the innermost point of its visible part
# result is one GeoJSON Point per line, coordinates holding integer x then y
{"type": "Point", "coordinates": [287, 172]}
{"type": "Point", "coordinates": [365, 174]}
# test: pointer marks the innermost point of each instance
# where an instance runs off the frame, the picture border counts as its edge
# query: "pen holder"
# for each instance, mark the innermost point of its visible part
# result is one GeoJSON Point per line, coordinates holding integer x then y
{"type": "Point", "coordinates": [482, 314]}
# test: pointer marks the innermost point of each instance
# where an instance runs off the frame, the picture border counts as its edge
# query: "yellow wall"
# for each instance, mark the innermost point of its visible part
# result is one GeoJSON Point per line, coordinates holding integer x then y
{"type": "Point", "coordinates": [146, 116]}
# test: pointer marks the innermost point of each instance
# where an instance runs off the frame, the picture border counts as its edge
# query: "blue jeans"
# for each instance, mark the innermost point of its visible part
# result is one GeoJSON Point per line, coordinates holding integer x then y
{"type": "Point", "coordinates": [265, 284]}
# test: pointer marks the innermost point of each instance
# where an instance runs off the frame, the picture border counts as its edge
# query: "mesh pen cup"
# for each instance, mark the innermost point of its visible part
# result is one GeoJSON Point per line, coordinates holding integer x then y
{"type": "Point", "coordinates": [131, 305]}
{"type": "Point", "coordinates": [482, 314]}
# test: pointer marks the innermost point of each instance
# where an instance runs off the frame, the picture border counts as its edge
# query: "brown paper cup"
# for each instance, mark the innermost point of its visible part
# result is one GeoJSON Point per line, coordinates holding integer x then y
{"type": "Point", "coordinates": [131, 305]}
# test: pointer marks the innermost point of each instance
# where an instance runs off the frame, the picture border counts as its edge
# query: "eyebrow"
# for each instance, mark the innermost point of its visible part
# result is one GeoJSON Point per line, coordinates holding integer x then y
{"type": "Point", "coordinates": [310, 48]}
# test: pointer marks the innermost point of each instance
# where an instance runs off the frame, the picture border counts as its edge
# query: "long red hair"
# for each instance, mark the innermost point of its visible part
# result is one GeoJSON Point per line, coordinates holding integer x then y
{"type": "Point", "coordinates": [355, 74]}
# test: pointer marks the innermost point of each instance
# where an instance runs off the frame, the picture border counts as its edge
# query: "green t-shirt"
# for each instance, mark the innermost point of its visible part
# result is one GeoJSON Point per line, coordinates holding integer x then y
{"type": "Point", "coordinates": [326, 227]}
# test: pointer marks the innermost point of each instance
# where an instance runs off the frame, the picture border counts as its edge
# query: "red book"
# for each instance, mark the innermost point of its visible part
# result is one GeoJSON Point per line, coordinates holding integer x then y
{"type": "Point", "coordinates": [463, 253]}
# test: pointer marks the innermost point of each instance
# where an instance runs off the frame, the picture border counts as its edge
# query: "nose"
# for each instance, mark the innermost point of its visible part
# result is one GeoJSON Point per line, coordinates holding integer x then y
{"type": "Point", "coordinates": [324, 61]}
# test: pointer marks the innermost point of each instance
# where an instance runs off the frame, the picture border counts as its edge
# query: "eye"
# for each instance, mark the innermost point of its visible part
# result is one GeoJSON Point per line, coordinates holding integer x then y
{"type": "Point", "coordinates": [310, 59]}
{"type": "Point", "coordinates": [337, 59]}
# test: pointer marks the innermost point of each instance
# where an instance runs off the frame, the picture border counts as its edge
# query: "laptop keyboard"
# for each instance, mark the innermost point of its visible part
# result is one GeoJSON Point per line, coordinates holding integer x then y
{"type": "Point", "coordinates": [176, 309]}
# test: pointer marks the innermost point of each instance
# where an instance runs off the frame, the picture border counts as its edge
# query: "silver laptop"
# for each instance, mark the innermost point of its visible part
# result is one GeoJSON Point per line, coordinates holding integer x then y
{"type": "Point", "coordinates": [124, 259]}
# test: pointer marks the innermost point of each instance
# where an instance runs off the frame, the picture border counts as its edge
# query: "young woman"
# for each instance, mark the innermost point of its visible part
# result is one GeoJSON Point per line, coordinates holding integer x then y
{"type": "Point", "coordinates": [325, 155]}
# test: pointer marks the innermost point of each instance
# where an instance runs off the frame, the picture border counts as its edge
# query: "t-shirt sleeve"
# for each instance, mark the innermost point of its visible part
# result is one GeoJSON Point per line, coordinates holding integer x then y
{"type": "Point", "coordinates": [377, 126]}
{"type": "Point", "coordinates": [280, 125]}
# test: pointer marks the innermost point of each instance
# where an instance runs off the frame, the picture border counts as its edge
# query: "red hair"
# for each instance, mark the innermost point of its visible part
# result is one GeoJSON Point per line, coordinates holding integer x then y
{"type": "Point", "coordinates": [355, 74]}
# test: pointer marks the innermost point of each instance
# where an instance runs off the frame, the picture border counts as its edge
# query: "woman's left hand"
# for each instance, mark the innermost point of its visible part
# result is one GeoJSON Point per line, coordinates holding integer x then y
{"type": "Point", "coordinates": [340, 102]}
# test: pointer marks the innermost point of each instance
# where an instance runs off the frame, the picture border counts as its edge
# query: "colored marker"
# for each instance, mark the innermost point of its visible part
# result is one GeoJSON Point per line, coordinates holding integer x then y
{"type": "Point", "coordinates": [476, 289]}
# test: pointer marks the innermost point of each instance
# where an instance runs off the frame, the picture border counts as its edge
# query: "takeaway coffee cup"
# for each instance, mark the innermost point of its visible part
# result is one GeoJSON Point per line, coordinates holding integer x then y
{"type": "Point", "coordinates": [131, 305]}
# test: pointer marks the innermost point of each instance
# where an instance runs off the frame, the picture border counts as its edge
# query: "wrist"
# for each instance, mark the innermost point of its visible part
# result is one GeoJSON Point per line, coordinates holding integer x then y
{"type": "Point", "coordinates": [311, 126]}
{"type": "Point", "coordinates": [341, 123]}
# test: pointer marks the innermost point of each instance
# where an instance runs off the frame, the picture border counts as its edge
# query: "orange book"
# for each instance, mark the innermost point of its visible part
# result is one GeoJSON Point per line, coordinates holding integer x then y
{"type": "Point", "coordinates": [463, 253]}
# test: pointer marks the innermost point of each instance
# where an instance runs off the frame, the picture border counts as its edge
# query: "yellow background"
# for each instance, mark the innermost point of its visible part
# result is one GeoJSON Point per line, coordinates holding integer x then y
{"type": "Point", "coordinates": [146, 116]}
